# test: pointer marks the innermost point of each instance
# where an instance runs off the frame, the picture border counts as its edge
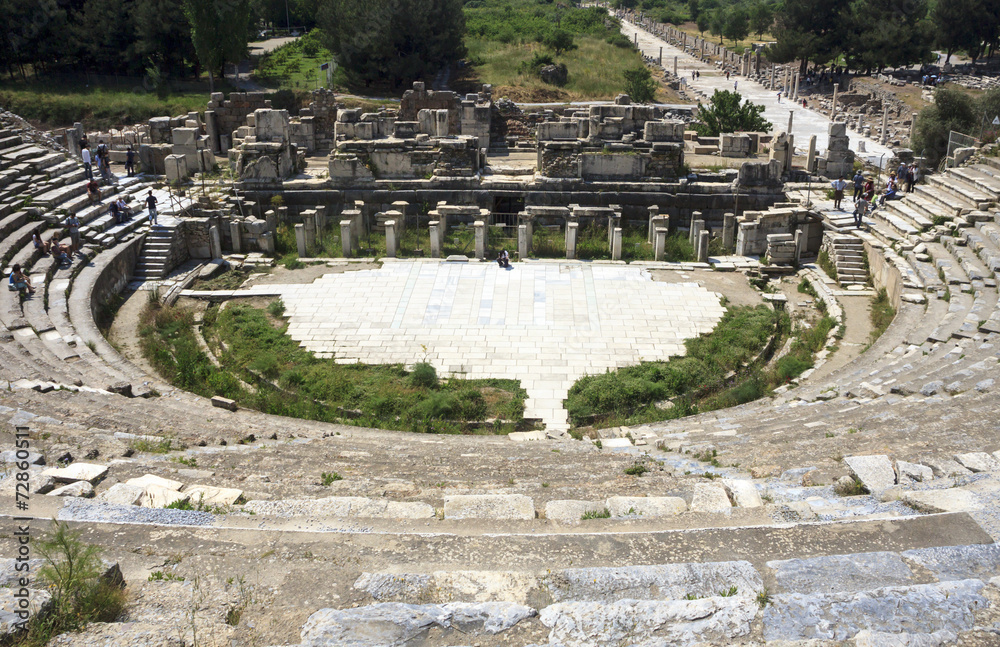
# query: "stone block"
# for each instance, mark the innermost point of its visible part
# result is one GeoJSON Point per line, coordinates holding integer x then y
{"type": "Point", "coordinates": [571, 511]}
{"type": "Point", "coordinates": [211, 495]}
{"type": "Point", "coordinates": [875, 472]}
{"type": "Point", "coordinates": [744, 492]}
{"type": "Point", "coordinates": [122, 494]}
{"type": "Point", "coordinates": [175, 168]}
{"type": "Point", "coordinates": [978, 462]}
{"type": "Point", "coordinates": [77, 472]}
{"type": "Point", "coordinates": [151, 479]}
{"type": "Point", "coordinates": [646, 507]}
{"type": "Point", "coordinates": [155, 496]}
{"type": "Point", "coordinates": [489, 506]}
{"type": "Point", "coordinates": [951, 500]}
{"type": "Point", "coordinates": [710, 498]}
{"type": "Point", "coordinates": [78, 489]}
{"type": "Point", "coordinates": [223, 403]}
{"type": "Point", "coordinates": [913, 471]}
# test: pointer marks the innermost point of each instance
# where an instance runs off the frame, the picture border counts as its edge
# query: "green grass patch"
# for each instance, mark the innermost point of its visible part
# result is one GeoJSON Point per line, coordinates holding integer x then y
{"type": "Point", "coordinates": [596, 514]}
{"type": "Point", "coordinates": [253, 349]}
{"type": "Point", "coordinates": [826, 264]}
{"type": "Point", "coordinates": [629, 395]}
{"type": "Point", "coordinates": [881, 314]}
{"type": "Point", "coordinates": [295, 65]}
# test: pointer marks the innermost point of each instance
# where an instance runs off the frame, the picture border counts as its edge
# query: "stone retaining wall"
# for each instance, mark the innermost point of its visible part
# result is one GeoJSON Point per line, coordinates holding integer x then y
{"type": "Point", "coordinates": [884, 272]}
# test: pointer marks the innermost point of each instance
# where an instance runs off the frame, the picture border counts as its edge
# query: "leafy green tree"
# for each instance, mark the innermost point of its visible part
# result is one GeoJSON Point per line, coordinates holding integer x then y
{"type": "Point", "coordinates": [737, 24]}
{"type": "Point", "coordinates": [220, 31]}
{"type": "Point", "coordinates": [393, 41]}
{"type": "Point", "coordinates": [717, 23]}
{"type": "Point", "coordinates": [952, 28]}
{"type": "Point", "coordinates": [559, 41]}
{"type": "Point", "coordinates": [725, 114]}
{"type": "Point", "coordinates": [881, 35]}
{"type": "Point", "coordinates": [107, 35]}
{"type": "Point", "coordinates": [163, 44]}
{"type": "Point", "coordinates": [704, 21]}
{"type": "Point", "coordinates": [951, 110]}
{"type": "Point", "coordinates": [807, 30]}
{"type": "Point", "coordinates": [694, 9]}
{"type": "Point", "coordinates": [761, 18]}
{"type": "Point", "coordinates": [639, 84]}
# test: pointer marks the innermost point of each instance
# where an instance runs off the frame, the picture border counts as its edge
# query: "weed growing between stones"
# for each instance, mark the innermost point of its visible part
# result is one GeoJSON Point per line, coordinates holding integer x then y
{"type": "Point", "coordinates": [596, 514]}
{"type": "Point", "coordinates": [73, 571]}
{"type": "Point", "coordinates": [160, 576]}
{"type": "Point", "coordinates": [637, 469]}
{"type": "Point", "coordinates": [881, 314]}
{"type": "Point", "coordinates": [263, 369]}
{"type": "Point", "coordinates": [326, 479]}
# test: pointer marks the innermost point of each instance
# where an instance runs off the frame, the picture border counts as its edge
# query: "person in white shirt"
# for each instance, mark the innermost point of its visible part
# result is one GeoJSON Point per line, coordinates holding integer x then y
{"type": "Point", "coordinates": [87, 167]}
{"type": "Point", "coordinates": [838, 191]}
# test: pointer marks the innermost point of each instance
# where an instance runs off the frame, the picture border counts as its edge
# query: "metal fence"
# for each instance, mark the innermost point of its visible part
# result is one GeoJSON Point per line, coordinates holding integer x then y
{"type": "Point", "coordinates": [957, 140]}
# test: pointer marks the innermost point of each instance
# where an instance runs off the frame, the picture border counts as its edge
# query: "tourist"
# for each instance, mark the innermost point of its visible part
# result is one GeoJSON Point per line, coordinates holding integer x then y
{"type": "Point", "coordinates": [115, 212]}
{"type": "Point", "coordinates": [735, 83]}
{"type": "Point", "coordinates": [130, 161]}
{"type": "Point", "coordinates": [891, 190]}
{"type": "Point", "coordinates": [151, 206]}
{"type": "Point", "coordinates": [838, 191]}
{"type": "Point", "coordinates": [902, 171]}
{"type": "Point", "coordinates": [859, 184]}
{"type": "Point", "coordinates": [860, 209]}
{"type": "Point", "coordinates": [40, 244]}
{"type": "Point", "coordinates": [104, 164]}
{"type": "Point", "coordinates": [779, 96]}
{"type": "Point", "coordinates": [19, 280]}
{"type": "Point", "coordinates": [914, 176]}
{"type": "Point", "coordinates": [727, 75]}
{"type": "Point", "coordinates": [60, 252]}
{"type": "Point", "coordinates": [911, 172]}
{"type": "Point", "coordinates": [93, 190]}
{"type": "Point", "coordinates": [73, 227]}
{"type": "Point", "coordinates": [124, 210]}
{"type": "Point", "coordinates": [88, 168]}
{"type": "Point", "coordinates": [506, 259]}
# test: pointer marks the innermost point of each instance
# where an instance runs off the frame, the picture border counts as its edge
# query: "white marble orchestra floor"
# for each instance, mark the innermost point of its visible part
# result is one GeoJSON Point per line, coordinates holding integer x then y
{"type": "Point", "coordinates": [544, 323]}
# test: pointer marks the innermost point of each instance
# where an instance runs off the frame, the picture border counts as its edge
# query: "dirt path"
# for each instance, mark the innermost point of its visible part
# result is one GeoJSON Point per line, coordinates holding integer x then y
{"type": "Point", "coordinates": [857, 328]}
{"type": "Point", "coordinates": [124, 333]}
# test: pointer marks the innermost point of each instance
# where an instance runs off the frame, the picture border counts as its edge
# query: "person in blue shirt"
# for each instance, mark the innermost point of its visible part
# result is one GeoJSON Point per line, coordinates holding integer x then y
{"type": "Point", "coordinates": [19, 280]}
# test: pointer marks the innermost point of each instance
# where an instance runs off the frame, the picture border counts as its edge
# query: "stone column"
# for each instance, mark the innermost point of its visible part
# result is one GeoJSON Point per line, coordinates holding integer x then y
{"type": "Point", "coordinates": [654, 211]}
{"type": "Point", "coordinates": [913, 126]}
{"type": "Point", "coordinates": [320, 220]}
{"type": "Point", "coordinates": [214, 242]}
{"type": "Point", "coordinates": [345, 238]}
{"type": "Point", "coordinates": [833, 113]}
{"type": "Point", "coordinates": [309, 224]}
{"type": "Point", "coordinates": [728, 230]}
{"type": "Point", "coordinates": [772, 77]}
{"type": "Point", "coordinates": [861, 124]}
{"type": "Point", "coordinates": [234, 233]}
{"type": "Point", "coordinates": [885, 125]}
{"type": "Point", "coordinates": [659, 244]}
{"type": "Point", "coordinates": [675, 66]}
{"type": "Point", "coordinates": [800, 242]}
{"type": "Point", "coordinates": [613, 221]}
{"type": "Point", "coordinates": [696, 225]}
{"type": "Point", "coordinates": [791, 154]}
{"type": "Point", "coordinates": [300, 240]}
{"type": "Point", "coordinates": [703, 237]}
{"type": "Point", "coordinates": [660, 60]}
{"type": "Point", "coordinates": [272, 219]}
{"type": "Point", "coordinates": [523, 242]}
{"type": "Point", "coordinates": [616, 244]}
{"type": "Point", "coordinates": [791, 116]}
{"type": "Point", "coordinates": [795, 90]}
{"type": "Point", "coordinates": [434, 225]}
{"type": "Point", "coordinates": [390, 238]}
{"type": "Point", "coordinates": [811, 158]}
{"type": "Point", "coordinates": [480, 227]}
{"type": "Point", "coordinates": [266, 242]}
{"type": "Point", "coordinates": [441, 122]}
{"type": "Point", "coordinates": [572, 229]}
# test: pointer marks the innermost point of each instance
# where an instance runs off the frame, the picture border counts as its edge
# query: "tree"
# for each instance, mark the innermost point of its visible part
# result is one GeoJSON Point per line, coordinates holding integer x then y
{"type": "Point", "coordinates": [559, 40]}
{"type": "Point", "coordinates": [737, 25]}
{"type": "Point", "coordinates": [726, 114]}
{"type": "Point", "coordinates": [952, 28]}
{"type": "Point", "coordinates": [694, 10]}
{"type": "Point", "coordinates": [393, 41]}
{"type": "Point", "coordinates": [761, 18]}
{"type": "Point", "coordinates": [704, 21]}
{"type": "Point", "coordinates": [220, 30]}
{"type": "Point", "coordinates": [639, 84]}
{"type": "Point", "coordinates": [807, 30]}
{"type": "Point", "coordinates": [880, 34]}
{"type": "Point", "coordinates": [951, 110]}
{"type": "Point", "coordinates": [717, 23]}
{"type": "Point", "coordinates": [107, 31]}
{"type": "Point", "coordinates": [164, 45]}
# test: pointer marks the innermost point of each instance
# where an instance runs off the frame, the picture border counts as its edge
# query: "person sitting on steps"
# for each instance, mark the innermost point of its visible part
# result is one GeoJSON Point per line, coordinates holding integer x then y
{"type": "Point", "coordinates": [503, 260]}
{"type": "Point", "coordinates": [60, 252]}
{"type": "Point", "coordinates": [39, 243]}
{"type": "Point", "coordinates": [19, 280]}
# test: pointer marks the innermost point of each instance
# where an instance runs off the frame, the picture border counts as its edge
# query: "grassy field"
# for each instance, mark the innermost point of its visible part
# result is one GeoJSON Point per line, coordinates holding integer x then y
{"type": "Point", "coordinates": [54, 107]}
{"type": "Point", "coordinates": [264, 369]}
{"type": "Point", "coordinates": [295, 65]}
{"type": "Point", "coordinates": [505, 36]}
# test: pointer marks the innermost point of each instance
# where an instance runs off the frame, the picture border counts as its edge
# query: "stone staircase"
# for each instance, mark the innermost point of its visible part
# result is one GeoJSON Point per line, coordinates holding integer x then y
{"type": "Point", "coordinates": [848, 255]}
{"type": "Point", "coordinates": [154, 260]}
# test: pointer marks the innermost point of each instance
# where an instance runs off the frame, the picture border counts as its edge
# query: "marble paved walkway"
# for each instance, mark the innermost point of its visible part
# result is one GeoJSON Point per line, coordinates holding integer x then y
{"type": "Point", "coordinates": [544, 323]}
{"type": "Point", "coordinates": [805, 121]}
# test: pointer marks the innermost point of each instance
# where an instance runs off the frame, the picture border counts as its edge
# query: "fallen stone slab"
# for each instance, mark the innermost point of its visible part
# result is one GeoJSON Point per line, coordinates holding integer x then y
{"type": "Point", "coordinates": [713, 620]}
{"type": "Point", "coordinates": [710, 498]}
{"type": "Point", "coordinates": [80, 488]}
{"type": "Point", "coordinates": [38, 603]}
{"type": "Point", "coordinates": [843, 573]}
{"type": "Point", "coordinates": [868, 638]}
{"type": "Point", "coordinates": [156, 496]}
{"type": "Point", "coordinates": [525, 436]}
{"type": "Point", "coordinates": [646, 506]}
{"type": "Point", "coordinates": [37, 482]}
{"type": "Point", "coordinates": [211, 495]}
{"type": "Point", "coordinates": [342, 507]}
{"type": "Point", "coordinates": [744, 492]}
{"type": "Point", "coordinates": [394, 623]}
{"type": "Point", "coordinates": [10, 456]}
{"type": "Point", "coordinates": [571, 511]}
{"type": "Point", "coordinates": [950, 500]}
{"type": "Point", "coordinates": [914, 471]}
{"type": "Point", "coordinates": [442, 586]}
{"type": "Point", "coordinates": [943, 467]}
{"type": "Point", "coordinates": [978, 462]}
{"type": "Point", "coordinates": [77, 472]}
{"type": "Point", "coordinates": [122, 494]}
{"type": "Point", "coordinates": [224, 403]}
{"type": "Point", "coordinates": [874, 472]}
{"type": "Point", "coordinates": [146, 480]}
{"type": "Point", "coordinates": [489, 506]}
{"type": "Point", "coordinates": [922, 608]}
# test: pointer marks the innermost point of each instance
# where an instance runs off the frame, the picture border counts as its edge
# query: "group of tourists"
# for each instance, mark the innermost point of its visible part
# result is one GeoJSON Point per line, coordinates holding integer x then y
{"type": "Point", "coordinates": [902, 180]}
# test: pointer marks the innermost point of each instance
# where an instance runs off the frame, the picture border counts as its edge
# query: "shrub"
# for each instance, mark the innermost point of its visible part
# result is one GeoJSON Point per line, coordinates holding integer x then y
{"type": "Point", "coordinates": [639, 84]}
{"type": "Point", "coordinates": [424, 376]}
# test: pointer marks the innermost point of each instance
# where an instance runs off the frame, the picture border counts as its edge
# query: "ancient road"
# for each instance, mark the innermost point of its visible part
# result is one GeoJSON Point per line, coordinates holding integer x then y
{"type": "Point", "coordinates": [805, 121]}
